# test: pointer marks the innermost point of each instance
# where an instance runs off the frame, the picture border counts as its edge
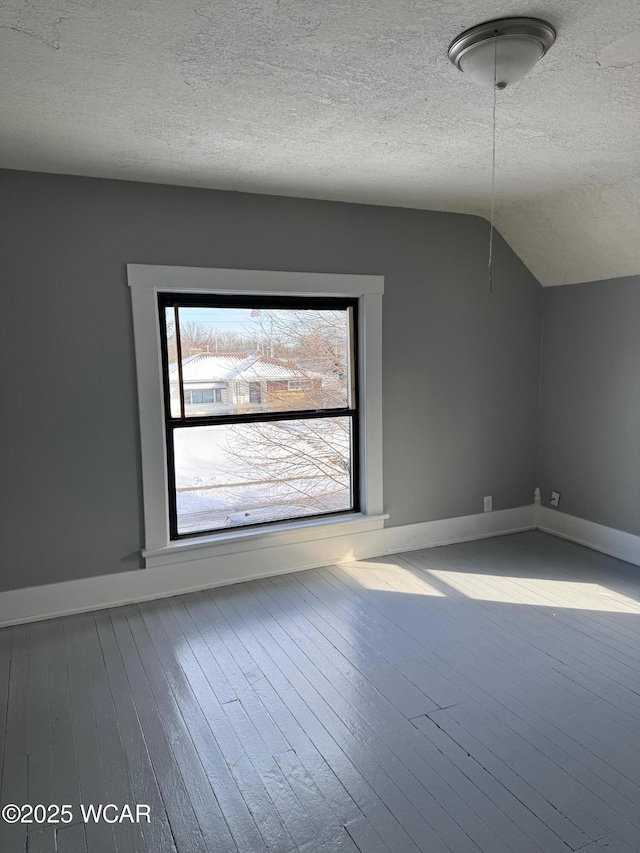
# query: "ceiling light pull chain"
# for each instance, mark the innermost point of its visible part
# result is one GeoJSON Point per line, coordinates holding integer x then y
{"type": "Point", "coordinates": [493, 162]}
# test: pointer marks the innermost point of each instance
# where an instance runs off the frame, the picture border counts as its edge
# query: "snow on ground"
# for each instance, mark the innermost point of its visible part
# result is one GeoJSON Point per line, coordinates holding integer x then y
{"type": "Point", "coordinates": [214, 490]}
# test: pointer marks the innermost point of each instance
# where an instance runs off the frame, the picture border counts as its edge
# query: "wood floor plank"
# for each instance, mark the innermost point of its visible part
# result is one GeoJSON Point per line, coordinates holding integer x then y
{"type": "Point", "coordinates": [368, 663]}
{"type": "Point", "coordinates": [409, 803]}
{"type": "Point", "coordinates": [214, 828]}
{"type": "Point", "coordinates": [248, 778]}
{"type": "Point", "coordinates": [299, 827]}
{"type": "Point", "coordinates": [595, 747]}
{"type": "Point", "coordinates": [13, 836]}
{"type": "Point", "coordinates": [278, 727]}
{"type": "Point", "coordinates": [594, 751]}
{"type": "Point", "coordinates": [13, 760]}
{"type": "Point", "coordinates": [41, 787]}
{"type": "Point", "coordinates": [616, 703]}
{"type": "Point", "coordinates": [119, 774]}
{"type": "Point", "coordinates": [394, 730]}
{"type": "Point", "coordinates": [358, 785]}
{"type": "Point", "coordinates": [42, 840]}
{"type": "Point", "coordinates": [365, 837]}
{"type": "Point", "coordinates": [565, 830]}
{"type": "Point", "coordinates": [392, 616]}
{"type": "Point", "coordinates": [532, 799]}
{"type": "Point", "coordinates": [556, 554]}
{"type": "Point", "coordinates": [610, 844]}
{"type": "Point", "coordinates": [6, 646]}
{"type": "Point", "coordinates": [555, 640]}
{"type": "Point", "coordinates": [65, 760]}
{"type": "Point", "coordinates": [92, 788]}
{"type": "Point", "coordinates": [606, 751]}
{"type": "Point", "coordinates": [566, 791]}
{"type": "Point", "coordinates": [158, 732]}
{"type": "Point", "coordinates": [327, 828]}
{"type": "Point", "coordinates": [595, 784]}
{"type": "Point", "coordinates": [72, 839]}
{"type": "Point", "coordinates": [201, 709]}
{"type": "Point", "coordinates": [516, 812]}
{"type": "Point", "coordinates": [16, 718]}
{"type": "Point", "coordinates": [143, 776]}
{"type": "Point", "coordinates": [606, 730]}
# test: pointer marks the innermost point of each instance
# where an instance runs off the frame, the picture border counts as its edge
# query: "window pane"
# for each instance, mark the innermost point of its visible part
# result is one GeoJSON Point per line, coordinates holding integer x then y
{"type": "Point", "coordinates": [233, 475]}
{"type": "Point", "coordinates": [243, 360]}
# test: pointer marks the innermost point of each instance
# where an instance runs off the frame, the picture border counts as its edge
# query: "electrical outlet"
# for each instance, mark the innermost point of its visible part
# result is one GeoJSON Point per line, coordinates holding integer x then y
{"type": "Point", "coordinates": [555, 498]}
{"type": "Point", "coordinates": [488, 503]}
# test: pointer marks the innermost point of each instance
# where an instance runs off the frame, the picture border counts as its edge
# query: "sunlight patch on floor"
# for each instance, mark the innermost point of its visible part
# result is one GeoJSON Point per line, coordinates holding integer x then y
{"type": "Point", "coordinates": [383, 576]}
{"type": "Point", "coordinates": [537, 592]}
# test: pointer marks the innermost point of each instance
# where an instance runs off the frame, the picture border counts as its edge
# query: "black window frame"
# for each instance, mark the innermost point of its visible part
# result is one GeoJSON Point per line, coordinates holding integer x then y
{"type": "Point", "coordinates": [171, 424]}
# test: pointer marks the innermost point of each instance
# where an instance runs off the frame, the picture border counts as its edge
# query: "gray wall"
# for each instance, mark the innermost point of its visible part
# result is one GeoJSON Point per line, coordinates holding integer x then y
{"type": "Point", "coordinates": [590, 402]}
{"type": "Point", "coordinates": [461, 366]}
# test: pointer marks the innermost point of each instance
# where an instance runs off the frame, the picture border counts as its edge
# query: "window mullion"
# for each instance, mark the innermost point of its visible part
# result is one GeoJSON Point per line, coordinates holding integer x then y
{"type": "Point", "coordinates": [259, 417]}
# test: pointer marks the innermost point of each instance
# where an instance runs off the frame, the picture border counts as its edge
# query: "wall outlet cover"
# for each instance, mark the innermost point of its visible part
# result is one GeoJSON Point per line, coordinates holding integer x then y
{"type": "Point", "coordinates": [488, 503]}
{"type": "Point", "coordinates": [555, 498]}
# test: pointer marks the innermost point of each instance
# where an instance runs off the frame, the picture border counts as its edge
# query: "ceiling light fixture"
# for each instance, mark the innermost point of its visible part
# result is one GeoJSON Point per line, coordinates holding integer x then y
{"type": "Point", "coordinates": [498, 54]}
{"type": "Point", "coordinates": [504, 50]}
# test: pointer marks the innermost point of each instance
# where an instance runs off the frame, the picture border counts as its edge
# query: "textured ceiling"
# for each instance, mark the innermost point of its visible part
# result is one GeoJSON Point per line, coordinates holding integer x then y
{"type": "Point", "coordinates": [341, 99]}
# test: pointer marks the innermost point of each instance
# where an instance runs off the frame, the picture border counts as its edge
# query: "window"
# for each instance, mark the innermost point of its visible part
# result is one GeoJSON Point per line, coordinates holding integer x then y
{"type": "Point", "coordinates": [357, 454]}
{"type": "Point", "coordinates": [255, 392]}
{"type": "Point", "coordinates": [207, 395]}
{"type": "Point", "coordinates": [268, 457]}
{"type": "Point", "coordinates": [302, 384]}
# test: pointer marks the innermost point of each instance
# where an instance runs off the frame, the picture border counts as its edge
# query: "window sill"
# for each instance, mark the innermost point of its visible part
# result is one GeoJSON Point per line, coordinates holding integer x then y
{"type": "Point", "coordinates": [237, 541]}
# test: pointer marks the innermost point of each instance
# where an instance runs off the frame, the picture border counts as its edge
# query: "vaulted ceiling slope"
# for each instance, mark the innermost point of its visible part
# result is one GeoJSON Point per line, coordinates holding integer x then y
{"type": "Point", "coordinates": [352, 100]}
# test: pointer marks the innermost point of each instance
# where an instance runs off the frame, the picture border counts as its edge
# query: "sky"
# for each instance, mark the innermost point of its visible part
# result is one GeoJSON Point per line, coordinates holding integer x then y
{"type": "Point", "coordinates": [226, 319]}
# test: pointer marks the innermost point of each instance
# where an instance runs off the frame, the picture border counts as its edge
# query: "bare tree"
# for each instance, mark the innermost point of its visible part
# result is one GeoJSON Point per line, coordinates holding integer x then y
{"type": "Point", "coordinates": [196, 338]}
{"type": "Point", "coordinates": [314, 346]}
{"type": "Point", "coordinates": [302, 462]}
{"type": "Point", "coordinates": [305, 463]}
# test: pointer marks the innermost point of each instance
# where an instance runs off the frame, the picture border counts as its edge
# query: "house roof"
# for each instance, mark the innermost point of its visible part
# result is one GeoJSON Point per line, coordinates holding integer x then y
{"type": "Point", "coordinates": [225, 367]}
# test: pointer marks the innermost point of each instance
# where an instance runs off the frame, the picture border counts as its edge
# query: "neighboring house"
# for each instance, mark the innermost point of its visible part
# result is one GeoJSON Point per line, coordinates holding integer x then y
{"type": "Point", "coordinates": [231, 383]}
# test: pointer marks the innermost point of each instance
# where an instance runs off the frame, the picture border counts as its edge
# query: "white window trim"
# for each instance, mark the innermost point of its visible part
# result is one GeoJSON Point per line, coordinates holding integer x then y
{"type": "Point", "coordinates": [145, 282]}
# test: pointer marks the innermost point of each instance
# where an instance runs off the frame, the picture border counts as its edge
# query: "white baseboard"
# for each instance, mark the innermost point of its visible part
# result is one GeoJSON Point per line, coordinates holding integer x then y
{"type": "Point", "coordinates": [616, 543]}
{"type": "Point", "coordinates": [59, 599]}
{"type": "Point", "coordinates": [464, 528]}
{"type": "Point", "coordinates": [78, 596]}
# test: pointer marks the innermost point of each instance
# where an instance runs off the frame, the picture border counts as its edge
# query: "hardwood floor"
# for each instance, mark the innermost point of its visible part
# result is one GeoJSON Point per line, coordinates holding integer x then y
{"type": "Point", "coordinates": [478, 697]}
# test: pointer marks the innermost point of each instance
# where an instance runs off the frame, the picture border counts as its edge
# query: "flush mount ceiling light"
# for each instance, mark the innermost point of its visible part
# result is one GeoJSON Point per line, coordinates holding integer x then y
{"type": "Point", "coordinates": [500, 53]}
